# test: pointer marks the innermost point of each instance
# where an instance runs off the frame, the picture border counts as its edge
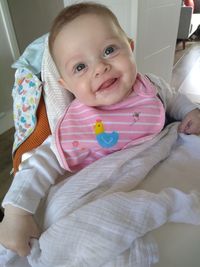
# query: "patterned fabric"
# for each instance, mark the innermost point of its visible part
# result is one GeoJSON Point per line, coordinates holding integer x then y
{"type": "Point", "coordinates": [85, 134]}
{"type": "Point", "coordinates": [26, 96]}
{"type": "Point", "coordinates": [36, 138]}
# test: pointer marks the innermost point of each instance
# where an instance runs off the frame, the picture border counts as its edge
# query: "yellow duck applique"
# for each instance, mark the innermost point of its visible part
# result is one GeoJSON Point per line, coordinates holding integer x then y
{"type": "Point", "coordinates": [105, 140]}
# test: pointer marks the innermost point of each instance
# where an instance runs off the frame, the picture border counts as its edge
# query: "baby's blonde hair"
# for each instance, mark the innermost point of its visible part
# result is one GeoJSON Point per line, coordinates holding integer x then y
{"type": "Point", "coordinates": [71, 12]}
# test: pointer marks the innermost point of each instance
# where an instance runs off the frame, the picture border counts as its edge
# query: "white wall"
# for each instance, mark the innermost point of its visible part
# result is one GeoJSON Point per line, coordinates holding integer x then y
{"type": "Point", "coordinates": [32, 18]}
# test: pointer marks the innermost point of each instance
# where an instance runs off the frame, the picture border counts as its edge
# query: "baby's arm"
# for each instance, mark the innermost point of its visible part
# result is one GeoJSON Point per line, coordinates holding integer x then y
{"type": "Point", "coordinates": [191, 123]}
{"type": "Point", "coordinates": [30, 184]}
{"type": "Point", "coordinates": [178, 106]}
{"type": "Point", "coordinates": [16, 230]}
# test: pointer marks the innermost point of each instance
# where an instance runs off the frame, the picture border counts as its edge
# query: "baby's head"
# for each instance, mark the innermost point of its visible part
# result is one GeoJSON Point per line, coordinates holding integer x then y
{"type": "Point", "coordinates": [93, 54]}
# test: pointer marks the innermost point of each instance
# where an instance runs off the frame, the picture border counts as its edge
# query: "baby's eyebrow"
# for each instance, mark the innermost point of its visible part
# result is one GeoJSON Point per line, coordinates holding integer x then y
{"type": "Point", "coordinates": [73, 60]}
{"type": "Point", "coordinates": [113, 39]}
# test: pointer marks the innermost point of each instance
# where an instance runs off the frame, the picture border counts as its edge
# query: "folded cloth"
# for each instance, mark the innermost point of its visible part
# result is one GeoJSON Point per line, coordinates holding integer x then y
{"type": "Point", "coordinates": [35, 137]}
{"type": "Point", "coordinates": [26, 95]}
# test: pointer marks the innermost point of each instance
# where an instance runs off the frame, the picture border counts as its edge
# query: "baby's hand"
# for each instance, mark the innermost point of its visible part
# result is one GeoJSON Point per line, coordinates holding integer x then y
{"type": "Point", "coordinates": [16, 230]}
{"type": "Point", "coordinates": [191, 123]}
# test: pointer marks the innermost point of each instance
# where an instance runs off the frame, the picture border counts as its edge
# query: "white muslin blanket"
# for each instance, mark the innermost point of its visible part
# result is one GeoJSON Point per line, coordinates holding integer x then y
{"type": "Point", "coordinates": [99, 218]}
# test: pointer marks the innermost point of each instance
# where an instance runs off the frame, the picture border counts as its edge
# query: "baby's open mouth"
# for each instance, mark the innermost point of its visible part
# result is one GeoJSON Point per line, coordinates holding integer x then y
{"type": "Point", "coordinates": [107, 84]}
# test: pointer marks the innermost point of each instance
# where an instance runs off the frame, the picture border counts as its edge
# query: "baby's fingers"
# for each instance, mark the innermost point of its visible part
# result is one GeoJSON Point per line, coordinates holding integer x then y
{"type": "Point", "coordinates": [191, 127]}
{"type": "Point", "coordinates": [24, 249]}
{"type": "Point", "coordinates": [185, 126]}
{"type": "Point", "coordinates": [22, 246]}
{"type": "Point", "coordinates": [36, 232]}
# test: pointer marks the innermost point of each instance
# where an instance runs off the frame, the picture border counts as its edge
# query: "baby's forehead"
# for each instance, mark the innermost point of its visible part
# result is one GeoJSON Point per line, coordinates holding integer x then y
{"type": "Point", "coordinates": [94, 18]}
{"type": "Point", "coordinates": [91, 20]}
{"type": "Point", "coordinates": [92, 25]}
{"type": "Point", "coordinates": [89, 31]}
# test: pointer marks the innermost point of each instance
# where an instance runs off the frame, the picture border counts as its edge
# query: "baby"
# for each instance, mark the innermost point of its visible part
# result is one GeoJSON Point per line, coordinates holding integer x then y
{"type": "Point", "coordinates": [115, 107]}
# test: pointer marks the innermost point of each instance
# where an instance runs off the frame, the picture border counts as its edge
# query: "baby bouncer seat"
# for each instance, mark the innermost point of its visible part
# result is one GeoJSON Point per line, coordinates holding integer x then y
{"type": "Point", "coordinates": [31, 98]}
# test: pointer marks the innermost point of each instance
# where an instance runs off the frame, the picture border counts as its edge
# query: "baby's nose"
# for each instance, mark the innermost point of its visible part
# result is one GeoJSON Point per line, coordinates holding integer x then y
{"type": "Point", "coordinates": [101, 68]}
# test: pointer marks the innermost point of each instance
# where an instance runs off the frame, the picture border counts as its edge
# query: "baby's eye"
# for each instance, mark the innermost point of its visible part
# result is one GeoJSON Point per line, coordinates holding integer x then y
{"type": "Point", "coordinates": [79, 67]}
{"type": "Point", "coordinates": [109, 50]}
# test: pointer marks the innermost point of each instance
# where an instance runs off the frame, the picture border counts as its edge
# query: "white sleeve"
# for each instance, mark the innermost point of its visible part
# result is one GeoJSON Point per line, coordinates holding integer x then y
{"type": "Point", "coordinates": [37, 174]}
{"type": "Point", "coordinates": [177, 105]}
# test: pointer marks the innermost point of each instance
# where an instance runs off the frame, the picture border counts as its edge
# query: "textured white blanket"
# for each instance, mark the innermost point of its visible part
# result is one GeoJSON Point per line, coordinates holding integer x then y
{"type": "Point", "coordinates": [98, 217]}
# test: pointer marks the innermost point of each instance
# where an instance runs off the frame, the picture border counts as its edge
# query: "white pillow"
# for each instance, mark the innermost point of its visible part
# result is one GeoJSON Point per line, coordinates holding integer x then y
{"type": "Point", "coordinates": [56, 98]}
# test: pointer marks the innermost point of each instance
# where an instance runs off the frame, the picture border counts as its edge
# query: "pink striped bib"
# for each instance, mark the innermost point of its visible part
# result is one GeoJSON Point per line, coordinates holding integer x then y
{"type": "Point", "coordinates": [85, 134]}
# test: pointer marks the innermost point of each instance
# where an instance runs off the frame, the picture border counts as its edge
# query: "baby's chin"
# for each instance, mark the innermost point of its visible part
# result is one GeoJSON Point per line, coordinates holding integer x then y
{"type": "Point", "coordinates": [107, 98]}
{"type": "Point", "coordinates": [110, 102]}
{"type": "Point", "coordinates": [113, 99]}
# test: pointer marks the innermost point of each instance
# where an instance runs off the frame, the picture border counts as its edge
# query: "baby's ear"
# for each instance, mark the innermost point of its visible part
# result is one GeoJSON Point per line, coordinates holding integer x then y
{"type": "Point", "coordinates": [62, 83]}
{"type": "Point", "coordinates": [131, 43]}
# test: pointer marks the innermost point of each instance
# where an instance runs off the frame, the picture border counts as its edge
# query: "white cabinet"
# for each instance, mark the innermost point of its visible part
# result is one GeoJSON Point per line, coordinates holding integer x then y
{"type": "Point", "coordinates": [156, 36]}
{"type": "Point", "coordinates": [153, 25]}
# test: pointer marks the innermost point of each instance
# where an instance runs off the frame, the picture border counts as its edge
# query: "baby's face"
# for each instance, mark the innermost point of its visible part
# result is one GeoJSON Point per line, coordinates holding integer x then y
{"type": "Point", "coordinates": [95, 60]}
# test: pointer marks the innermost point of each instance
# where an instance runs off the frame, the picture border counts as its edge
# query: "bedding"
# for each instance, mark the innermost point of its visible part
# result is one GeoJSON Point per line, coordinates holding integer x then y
{"type": "Point", "coordinates": [107, 216]}
{"type": "Point", "coordinates": [135, 208]}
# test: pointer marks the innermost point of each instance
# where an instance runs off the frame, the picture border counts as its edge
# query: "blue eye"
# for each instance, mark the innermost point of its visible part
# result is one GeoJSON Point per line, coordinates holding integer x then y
{"type": "Point", "coordinates": [109, 50]}
{"type": "Point", "coordinates": [80, 67]}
